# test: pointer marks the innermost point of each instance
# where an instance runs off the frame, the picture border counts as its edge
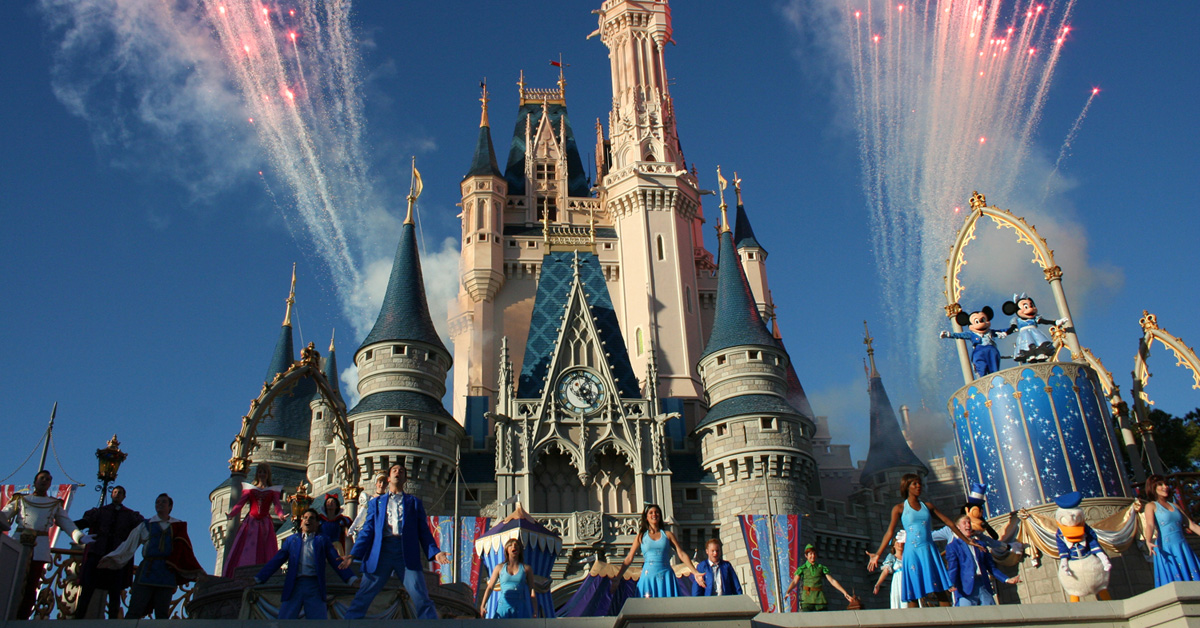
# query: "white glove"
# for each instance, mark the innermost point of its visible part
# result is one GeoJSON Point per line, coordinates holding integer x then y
{"type": "Point", "coordinates": [84, 539]}
{"type": "Point", "coordinates": [1002, 334]}
{"type": "Point", "coordinates": [1064, 567]}
{"type": "Point", "coordinates": [1062, 322]}
{"type": "Point", "coordinates": [943, 334]}
{"type": "Point", "coordinates": [1105, 561]}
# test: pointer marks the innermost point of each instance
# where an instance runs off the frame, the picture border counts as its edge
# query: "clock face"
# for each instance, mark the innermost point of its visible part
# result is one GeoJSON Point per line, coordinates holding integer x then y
{"type": "Point", "coordinates": [581, 392]}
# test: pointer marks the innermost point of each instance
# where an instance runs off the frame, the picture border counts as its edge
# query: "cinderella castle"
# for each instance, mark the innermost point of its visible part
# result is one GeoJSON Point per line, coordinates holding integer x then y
{"type": "Point", "coordinates": [604, 359]}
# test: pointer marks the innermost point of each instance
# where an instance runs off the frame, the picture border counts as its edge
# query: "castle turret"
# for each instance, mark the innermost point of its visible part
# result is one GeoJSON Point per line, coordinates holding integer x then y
{"type": "Point", "coordinates": [323, 449]}
{"type": "Point", "coordinates": [889, 456]}
{"type": "Point", "coordinates": [402, 367]}
{"type": "Point", "coordinates": [654, 202]}
{"type": "Point", "coordinates": [752, 440]}
{"type": "Point", "coordinates": [753, 257]}
{"type": "Point", "coordinates": [482, 265]}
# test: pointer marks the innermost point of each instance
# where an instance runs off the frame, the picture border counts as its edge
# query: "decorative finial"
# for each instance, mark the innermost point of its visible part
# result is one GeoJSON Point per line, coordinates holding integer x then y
{"type": "Point", "coordinates": [291, 300]}
{"type": "Point", "coordinates": [521, 85]}
{"type": "Point", "coordinates": [483, 118]}
{"type": "Point", "coordinates": [868, 340]}
{"type": "Point", "coordinates": [414, 191]}
{"type": "Point", "coordinates": [721, 185]}
{"type": "Point", "coordinates": [562, 82]}
{"type": "Point", "coordinates": [737, 187]}
{"type": "Point", "coordinates": [978, 201]}
{"type": "Point", "coordinates": [1148, 321]}
{"type": "Point", "coordinates": [331, 335]}
{"type": "Point", "coordinates": [575, 265]}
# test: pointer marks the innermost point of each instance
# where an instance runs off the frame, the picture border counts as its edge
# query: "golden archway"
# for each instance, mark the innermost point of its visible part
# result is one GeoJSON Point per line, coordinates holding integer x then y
{"type": "Point", "coordinates": [1043, 256]}
{"type": "Point", "coordinates": [347, 470]}
{"type": "Point", "coordinates": [1185, 356]}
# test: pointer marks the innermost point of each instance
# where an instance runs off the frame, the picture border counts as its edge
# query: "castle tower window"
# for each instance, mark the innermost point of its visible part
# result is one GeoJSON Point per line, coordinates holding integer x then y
{"type": "Point", "coordinates": [279, 446]}
{"type": "Point", "coordinates": [768, 423]}
{"type": "Point", "coordinates": [660, 248]}
{"type": "Point", "coordinates": [367, 355]}
{"type": "Point", "coordinates": [439, 428]}
{"type": "Point", "coordinates": [393, 421]}
{"type": "Point", "coordinates": [754, 355]}
{"type": "Point", "coordinates": [480, 214]}
{"type": "Point", "coordinates": [691, 494]}
{"type": "Point", "coordinates": [637, 336]}
{"type": "Point", "coordinates": [399, 350]}
{"type": "Point", "coordinates": [687, 298]}
{"type": "Point", "coordinates": [545, 172]}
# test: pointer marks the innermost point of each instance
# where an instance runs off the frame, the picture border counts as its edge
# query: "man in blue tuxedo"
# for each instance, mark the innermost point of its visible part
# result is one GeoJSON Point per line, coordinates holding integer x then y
{"type": "Point", "coordinates": [969, 568]}
{"type": "Point", "coordinates": [719, 576]}
{"type": "Point", "coordinates": [304, 585]}
{"type": "Point", "coordinates": [395, 537]}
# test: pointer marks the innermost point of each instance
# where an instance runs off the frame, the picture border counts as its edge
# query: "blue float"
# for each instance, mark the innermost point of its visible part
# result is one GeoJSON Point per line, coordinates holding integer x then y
{"type": "Point", "coordinates": [1034, 432]}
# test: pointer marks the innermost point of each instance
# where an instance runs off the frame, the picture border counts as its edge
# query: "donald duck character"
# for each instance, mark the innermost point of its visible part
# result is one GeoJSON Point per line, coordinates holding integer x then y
{"type": "Point", "coordinates": [1083, 566]}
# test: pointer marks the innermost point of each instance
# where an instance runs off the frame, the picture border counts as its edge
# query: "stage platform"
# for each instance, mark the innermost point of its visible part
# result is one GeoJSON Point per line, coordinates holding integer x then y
{"type": "Point", "coordinates": [1172, 606]}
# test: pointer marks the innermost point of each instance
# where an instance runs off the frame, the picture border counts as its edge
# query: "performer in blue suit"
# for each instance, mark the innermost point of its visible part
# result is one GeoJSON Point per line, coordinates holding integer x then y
{"type": "Point", "coordinates": [969, 568]}
{"type": "Point", "coordinates": [394, 537]}
{"type": "Point", "coordinates": [304, 585]}
{"type": "Point", "coordinates": [719, 576]}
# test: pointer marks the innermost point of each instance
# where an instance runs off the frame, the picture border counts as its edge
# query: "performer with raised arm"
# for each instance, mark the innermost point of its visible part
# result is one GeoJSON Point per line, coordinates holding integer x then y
{"type": "Point", "coordinates": [516, 595]}
{"type": "Point", "coordinates": [395, 537]}
{"type": "Point", "coordinates": [110, 524]}
{"type": "Point", "coordinates": [655, 541]}
{"type": "Point", "coordinates": [304, 585]}
{"type": "Point", "coordinates": [893, 565]}
{"type": "Point", "coordinates": [34, 514]}
{"type": "Point", "coordinates": [924, 571]}
{"type": "Point", "coordinates": [167, 561]}
{"type": "Point", "coordinates": [719, 575]}
{"type": "Point", "coordinates": [255, 542]}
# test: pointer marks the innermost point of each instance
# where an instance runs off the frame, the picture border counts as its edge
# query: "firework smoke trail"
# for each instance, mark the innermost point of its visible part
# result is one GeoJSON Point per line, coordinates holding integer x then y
{"type": "Point", "coordinates": [948, 95]}
{"type": "Point", "coordinates": [1066, 146]}
{"type": "Point", "coordinates": [296, 70]}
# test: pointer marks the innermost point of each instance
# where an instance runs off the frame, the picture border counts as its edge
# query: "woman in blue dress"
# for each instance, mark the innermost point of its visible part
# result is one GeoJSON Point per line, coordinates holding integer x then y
{"type": "Point", "coordinates": [656, 542]}
{"type": "Point", "coordinates": [924, 572]}
{"type": "Point", "coordinates": [514, 599]}
{"type": "Point", "coordinates": [334, 524]}
{"type": "Point", "coordinates": [1173, 559]}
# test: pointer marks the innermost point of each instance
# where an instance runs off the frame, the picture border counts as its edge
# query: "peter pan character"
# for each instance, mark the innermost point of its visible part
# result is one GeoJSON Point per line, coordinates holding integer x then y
{"type": "Point", "coordinates": [811, 576]}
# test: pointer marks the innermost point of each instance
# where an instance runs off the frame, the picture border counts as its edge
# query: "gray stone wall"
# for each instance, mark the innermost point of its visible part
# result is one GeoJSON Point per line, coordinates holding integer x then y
{"type": "Point", "coordinates": [402, 366]}
{"type": "Point", "coordinates": [733, 372]}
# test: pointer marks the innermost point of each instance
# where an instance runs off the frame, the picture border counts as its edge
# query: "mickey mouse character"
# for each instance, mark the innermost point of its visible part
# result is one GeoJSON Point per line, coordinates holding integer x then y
{"type": "Point", "coordinates": [985, 356]}
{"type": "Point", "coordinates": [1032, 345]}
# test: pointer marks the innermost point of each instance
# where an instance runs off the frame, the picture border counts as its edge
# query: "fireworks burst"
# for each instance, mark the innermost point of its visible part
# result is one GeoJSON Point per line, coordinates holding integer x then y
{"type": "Point", "coordinates": [947, 96]}
{"type": "Point", "coordinates": [1066, 146]}
{"type": "Point", "coordinates": [297, 71]}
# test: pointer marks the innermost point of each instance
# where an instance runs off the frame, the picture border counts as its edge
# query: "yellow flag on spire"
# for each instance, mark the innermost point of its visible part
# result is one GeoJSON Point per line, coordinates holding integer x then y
{"type": "Point", "coordinates": [414, 190]}
{"type": "Point", "coordinates": [721, 180]}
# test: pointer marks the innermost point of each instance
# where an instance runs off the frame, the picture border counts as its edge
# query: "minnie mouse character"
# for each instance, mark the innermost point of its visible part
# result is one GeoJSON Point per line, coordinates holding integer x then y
{"type": "Point", "coordinates": [985, 356]}
{"type": "Point", "coordinates": [1032, 345]}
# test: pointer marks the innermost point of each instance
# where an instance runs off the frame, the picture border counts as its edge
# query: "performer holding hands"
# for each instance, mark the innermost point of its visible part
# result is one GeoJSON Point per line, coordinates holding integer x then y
{"type": "Point", "coordinates": [1173, 558]}
{"type": "Point", "coordinates": [516, 585]}
{"type": "Point", "coordinates": [924, 571]}
{"type": "Point", "coordinates": [655, 541]}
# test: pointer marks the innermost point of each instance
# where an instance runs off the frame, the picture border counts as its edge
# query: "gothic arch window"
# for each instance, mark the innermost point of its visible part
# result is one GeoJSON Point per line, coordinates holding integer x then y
{"type": "Point", "coordinates": [660, 247]}
{"type": "Point", "coordinates": [480, 214]}
{"type": "Point", "coordinates": [687, 297]}
{"type": "Point", "coordinates": [497, 216]}
{"type": "Point", "coordinates": [638, 341]}
{"type": "Point", "coordinates": [581, 344]}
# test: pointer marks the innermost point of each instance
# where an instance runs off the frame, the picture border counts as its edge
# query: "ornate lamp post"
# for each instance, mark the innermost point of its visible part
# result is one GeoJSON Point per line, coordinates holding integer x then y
{"type": "Point", "coordinates": [300, 501]}
{"type": "Point", "coordinates": [110, 459]}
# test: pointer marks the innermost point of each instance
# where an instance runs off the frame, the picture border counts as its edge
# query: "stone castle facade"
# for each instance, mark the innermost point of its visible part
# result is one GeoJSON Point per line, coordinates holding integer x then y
{"type": "Point", "coordinates": [604, 358]}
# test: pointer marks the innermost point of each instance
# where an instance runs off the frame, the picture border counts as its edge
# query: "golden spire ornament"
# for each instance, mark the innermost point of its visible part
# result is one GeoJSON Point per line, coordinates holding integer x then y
{"type": "Point", "coordinates": [291, 300]}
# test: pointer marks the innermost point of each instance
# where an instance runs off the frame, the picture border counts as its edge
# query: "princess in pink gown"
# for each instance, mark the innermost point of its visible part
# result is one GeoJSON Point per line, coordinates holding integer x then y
{"type": "Point", "coordinates": [255, 542]}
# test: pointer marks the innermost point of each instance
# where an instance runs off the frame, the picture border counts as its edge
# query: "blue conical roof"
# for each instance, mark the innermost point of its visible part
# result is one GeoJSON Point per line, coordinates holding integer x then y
{"type": "Point", "coordinates": [736, 322]}
{"type": "Point", "coordinates": [888, 449]}
{"type": "Point", "coordinates": [743, 233]}
{"type": "Point", "coordinates": [405, 312]}
{"type": "Point", "coordinates": [483, 163]}
{"type": "Point", "coordinates": [290, 415]}
{"type": "Point", "coordinates": [330, 370]}
{"type": "Point", "coordinates": [514, 172]}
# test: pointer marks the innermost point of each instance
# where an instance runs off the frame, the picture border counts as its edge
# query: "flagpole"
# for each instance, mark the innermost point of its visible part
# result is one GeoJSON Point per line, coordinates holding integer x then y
{"type": "Point", "coordinates": [457, 475]}
{"type": "Point", "coordinates": [46, 442]}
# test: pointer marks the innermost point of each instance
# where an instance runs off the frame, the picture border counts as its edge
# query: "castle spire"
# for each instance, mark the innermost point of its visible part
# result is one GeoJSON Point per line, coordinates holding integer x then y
{"type": "Point", "coordinates": [483, 162]}
{"type": "Point", "coordinates": [737, 321]}
{"type": "Point", "coordinates": [888, 451]}
{"type": "Point", "coordinates": [291, 300]}
{"type": "Point", "coordinates": [721, 185]}
{"type": "Point", "coordinates": [331, 370]}
{"type": "Point", "coordinates": [743, 233]}
{"type": "Point", "coordinates": [404, 314]}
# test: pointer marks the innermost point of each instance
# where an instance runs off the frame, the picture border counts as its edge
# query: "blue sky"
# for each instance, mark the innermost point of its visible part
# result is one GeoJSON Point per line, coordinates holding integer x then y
{"type": "Point", "coordinates": [146, 262]}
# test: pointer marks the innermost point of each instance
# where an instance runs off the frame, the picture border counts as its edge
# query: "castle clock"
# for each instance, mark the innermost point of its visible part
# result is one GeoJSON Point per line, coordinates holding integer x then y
{"type": "Point", "coordinates": [581, 392]}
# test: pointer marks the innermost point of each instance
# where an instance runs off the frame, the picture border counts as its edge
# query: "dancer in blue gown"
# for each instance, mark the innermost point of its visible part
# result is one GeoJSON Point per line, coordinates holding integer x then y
{"type": "Point", "coordinates": [514, 599]}
{"type": "Point", "coordinates": [656, 542]}
{"type": "Point", "coordinates": [924, 571]}
{"type": "Point", "coordinates": [1173, 558]}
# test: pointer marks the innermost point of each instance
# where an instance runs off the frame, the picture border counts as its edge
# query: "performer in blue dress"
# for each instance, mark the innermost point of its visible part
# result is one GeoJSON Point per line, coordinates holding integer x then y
{"type": "Point", "coordinates": [515, 597]}
{"type": "Point", "coordinates": [924, 571]}
{"type": "Point", "coordinates": [1173, 558]}
{"type": "Point", "coordinates": [656, 542]}
{"type": "Point", "coordinates": [334, 524]}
